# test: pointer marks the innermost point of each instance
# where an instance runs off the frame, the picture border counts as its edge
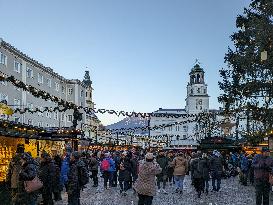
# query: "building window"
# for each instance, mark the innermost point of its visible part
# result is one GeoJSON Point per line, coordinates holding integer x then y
{"type": "Point", "coordinates": [177, 137]}
{"type": "Point", "coordinates": [40, 124]}
{"type": "Point", "coordinates": [17, 103]}
{"type": "Point", "coordinates": [30, 106]}
{"type": "Point", "coordinates": [184, 137]}
{"type": "Point", "coordinates": [29, 72]}
{"type": "Point", "coordinates": [81, 93]}
{"type": "Point", "coordinates": [48, 114]}
{"type": "Point", "coordinates": [170, 129]}
{"type": "Point", "coordinates": [48, 82]}
{"type": "Point", "coordinates": [57, 86]}
{"type": "Point", "coordinates": [55, 115]}
{"type": "Point", "coordinates": [81, 104]}
{"type": "Point", "coordinates": [69, 118]}
{"type": "Point", "coordinates": [40, 113]}
{"type": "Point", "coordinates": [205, 90]}
{"type": "Point", "coordinates": [63, 89]}
{"type": "Point", "coordinates": [40, 78]}
{"type": "Point", "coordinates": [3, 59]}
{"type": "Point", "coordinates": [185, 128]}
{"type": "Point", "coordinates": [4, 98]}
{"type": "Point", "coordinates": [198, 90]}
{"type": "Point", "coordinates": [63, 116]}
{"type": "Point", "coordinates": [70, 90]}
{"type": "Point", "coordinates": [17, 66]}
{"type": "Point", "coordinates": [29, 122]}
{"type": "Point", "coordinates": [86, 94]}
{"type": "Point", "coordinates": [177, 128]}
{"type": "Point", "coordinates": [90, 95]}
{"type": "Point", "coordinates": [47, 125]}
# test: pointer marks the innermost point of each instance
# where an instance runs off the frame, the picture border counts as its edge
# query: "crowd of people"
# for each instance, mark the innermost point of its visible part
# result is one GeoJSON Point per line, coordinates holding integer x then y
{"type": "Point", "coordinates": [145, 173]}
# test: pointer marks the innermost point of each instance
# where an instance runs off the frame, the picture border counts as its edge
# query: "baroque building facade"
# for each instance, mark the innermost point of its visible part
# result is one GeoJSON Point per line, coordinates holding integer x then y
{"type": "Point", "coordinates": [15, 63]}
{"type": "Point", "coordinates": [184, 135]}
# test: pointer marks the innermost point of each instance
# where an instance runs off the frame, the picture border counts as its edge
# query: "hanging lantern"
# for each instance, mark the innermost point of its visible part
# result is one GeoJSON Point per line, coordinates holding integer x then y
{"type": "Point", "coordinates": [264, 55]}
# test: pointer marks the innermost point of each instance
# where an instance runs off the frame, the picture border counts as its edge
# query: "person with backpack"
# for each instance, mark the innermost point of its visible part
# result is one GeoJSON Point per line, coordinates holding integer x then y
{"type": "Point", "coordinates": [77, 178]}
{"type": "Point", "coordinates": [116, 158]}
{"type": "Point", "coordinates": [107, 168]}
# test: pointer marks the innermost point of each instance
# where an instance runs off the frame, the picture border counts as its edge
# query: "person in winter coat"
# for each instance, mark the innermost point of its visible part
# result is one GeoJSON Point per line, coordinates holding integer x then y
{"type": "Point", "coordinates": [145, 183]}
{"type": "Point", "coordinates": [14, 169]}
{"type": "Point", "coordinates": [206, 172]}
{"type": "Point", "coordinates": [262, 164]}
{"type": "Point", "coordinates": [197, 173]}
{"type": "Point", "coordinates": [28, 173]}
{"type": "Point", "coordinates": [180, 165]}
{"type": "Point", "coordinates": [116, 158]}
{"type": "Point", "coordinates": [57, 188]}
{"type": "Point", "coordinates": [47, 172]}
{"type": "Point", "coordinates": [108, 167]}
{"type": "Point", "coordinates": [134, 162]}
{"type": "Point", "coordinates": [216, 165]}
{"type": "Point", "coordinates": [170, 168]}
{"type": "Point", "coordinates": [244, 167]}
{"type": "Point", "coordinates": [94, 168]}
{"type": "Point", "coordinates": [125, 173]}
{"type": "Point", "coordinates": [163, 162]}
{"type": "Point", "coordinates": [65, 167]}
{"type": "Point", "coordinates": [73, 183]}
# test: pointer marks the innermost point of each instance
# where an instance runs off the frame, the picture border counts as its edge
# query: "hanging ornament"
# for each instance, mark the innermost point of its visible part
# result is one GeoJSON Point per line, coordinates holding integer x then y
{"type": "Point", "coordinates": [264, 55]}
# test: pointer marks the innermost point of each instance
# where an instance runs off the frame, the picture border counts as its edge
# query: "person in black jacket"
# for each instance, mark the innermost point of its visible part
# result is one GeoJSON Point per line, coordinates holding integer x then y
{"type": "Point", "coordinates": [28, 173]}
{"type": "Point", "coordinates": [47, 174]}
{"type": "Point", "coordinates": [94, 168]}
{"type": "Point", "coordinates": [57, 180]}
{"type": "Point", "coordinates": [125, 173]}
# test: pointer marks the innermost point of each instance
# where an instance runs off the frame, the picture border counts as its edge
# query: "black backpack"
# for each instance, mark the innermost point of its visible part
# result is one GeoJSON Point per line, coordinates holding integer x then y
{"type": "Point", "coordinates": [83, 176]}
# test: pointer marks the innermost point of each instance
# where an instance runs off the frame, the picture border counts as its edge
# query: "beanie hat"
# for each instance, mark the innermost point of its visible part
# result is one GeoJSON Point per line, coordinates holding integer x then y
{"type": "Point", "coordinates": [76, 155]}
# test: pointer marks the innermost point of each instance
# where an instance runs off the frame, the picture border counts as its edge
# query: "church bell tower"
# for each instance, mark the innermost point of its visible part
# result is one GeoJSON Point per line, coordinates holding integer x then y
{"type": "Point", "coordinates": [197, 93]}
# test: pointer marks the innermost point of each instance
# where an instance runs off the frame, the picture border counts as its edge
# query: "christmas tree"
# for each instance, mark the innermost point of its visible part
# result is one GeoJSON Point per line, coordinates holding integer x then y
{"type": "Point", "coordinates": [247, 81]}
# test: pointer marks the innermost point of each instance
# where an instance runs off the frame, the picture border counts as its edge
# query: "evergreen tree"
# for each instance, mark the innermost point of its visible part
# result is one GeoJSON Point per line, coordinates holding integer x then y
{"type": "Point", "coordinates": [247, 81]}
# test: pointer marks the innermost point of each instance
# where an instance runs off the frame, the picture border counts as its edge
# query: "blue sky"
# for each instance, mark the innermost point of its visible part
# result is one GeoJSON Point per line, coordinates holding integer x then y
{"type": "Point", "coordinates": [139, 52]}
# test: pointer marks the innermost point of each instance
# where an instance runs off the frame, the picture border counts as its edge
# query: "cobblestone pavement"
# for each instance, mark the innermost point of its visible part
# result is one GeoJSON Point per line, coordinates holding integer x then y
{"type": "Point", "coordinates": [231, 193]}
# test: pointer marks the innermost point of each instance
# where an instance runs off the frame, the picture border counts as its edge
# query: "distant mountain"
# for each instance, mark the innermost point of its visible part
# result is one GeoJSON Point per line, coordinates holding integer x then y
{"type": "Point", "coordinates": [130, 122]}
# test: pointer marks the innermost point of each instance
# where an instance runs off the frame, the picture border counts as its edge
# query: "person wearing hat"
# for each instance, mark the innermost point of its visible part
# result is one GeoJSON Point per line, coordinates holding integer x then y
{"type": "Point", "coordinates": [216, 166]}
{"type": "Point", "coordinates": [262, 164]}
{"type": "Point", "coordinates": [145, 184]}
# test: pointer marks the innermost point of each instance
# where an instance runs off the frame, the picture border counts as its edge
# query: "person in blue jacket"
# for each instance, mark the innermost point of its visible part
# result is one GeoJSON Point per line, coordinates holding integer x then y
{"type": "Point", "coordinates": [244, 166]}
{"type": "Point", "coordinates": [65, 168]}
{"type": "Point", "coordinates": [108, 168]}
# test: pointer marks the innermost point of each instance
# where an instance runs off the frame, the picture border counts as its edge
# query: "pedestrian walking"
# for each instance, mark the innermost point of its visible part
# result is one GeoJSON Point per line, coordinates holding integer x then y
{"type": "Point", "coordinates": [197, 174]}
{"type": "Point", "coordinates": [216, 165]}
{"type": "Point", "coordinates": [57, 186]}
{"type": "Point", "coordinates": [94, 168]}
{"type": "Point", "coordinates": [116, 158]}
{"type": "Point", "coordinates": [108, 167]}
{"type": "Point", "coordinates": [170, 171]}
{"type": "Point", "coordinates": [65, 167]}
{"type": "Point", "coordinates": [28, 173]}
{"type": "Point", "coordinates": [47, 173]}
{"type": "Point", "coordinates": [14, 170]}
{"type": "Point", "coordinates": [77, 178]}
{"type": "Point", "coordinates": [262, 164]}
{"type": "Point", "coordinates": [125, 174]}
{"type": "Point", "coordinates": [206, 172]}
{"type": "Point", "coordinates": [244, 167]}
{"type": "Point", "coordinates": [145, 183]}
{"type": "Point", "coordinates": [163, 162]}
{"type": "Point", "coordinates": [180, 165]}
